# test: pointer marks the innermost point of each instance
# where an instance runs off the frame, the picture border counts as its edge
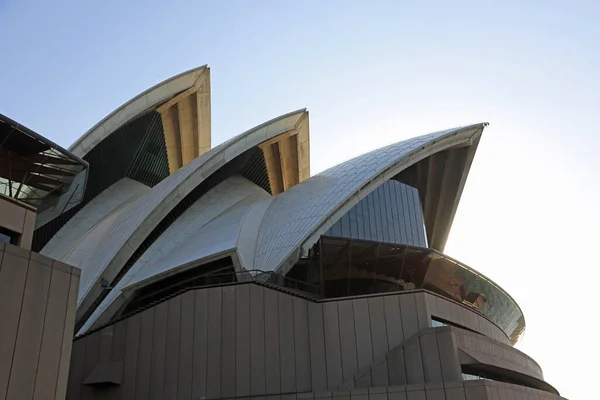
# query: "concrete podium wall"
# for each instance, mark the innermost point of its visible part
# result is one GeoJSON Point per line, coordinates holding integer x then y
{"type": "Point", "coordinates": [38, 297]}
{"type": "Point", "coordinates": [19, 218]}
{"type": "Point", "coordinates": [247, 340]}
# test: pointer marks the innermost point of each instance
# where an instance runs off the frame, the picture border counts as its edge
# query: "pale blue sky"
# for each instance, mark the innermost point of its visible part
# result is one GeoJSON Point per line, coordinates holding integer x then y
{"type": "Point", "coordinates": [372, 73]}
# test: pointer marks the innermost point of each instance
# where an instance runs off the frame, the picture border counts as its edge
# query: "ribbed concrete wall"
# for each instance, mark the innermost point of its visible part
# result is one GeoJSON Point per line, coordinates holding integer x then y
{"type": "Point", "coordinates": [245, 340]}
{"type": "Point", "coordinates": [38, 297]}
{"type": "Point", "coordinates": [249, 340]}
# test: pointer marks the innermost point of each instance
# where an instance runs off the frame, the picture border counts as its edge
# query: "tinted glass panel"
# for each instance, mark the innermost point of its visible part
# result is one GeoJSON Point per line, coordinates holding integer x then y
{"type": "Point", "coordinates": [378, 267]}
{"type": "Point", "coordinates": [392, 213]}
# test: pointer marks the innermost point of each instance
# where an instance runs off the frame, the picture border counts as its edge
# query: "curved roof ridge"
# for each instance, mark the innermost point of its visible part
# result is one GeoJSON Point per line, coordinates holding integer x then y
{"type": "Point", "coordinates": [106, 260]}
{"type": "Point", "coordinates": [300, 214]}
{"type": "Point", "coordinates": [80, 149]}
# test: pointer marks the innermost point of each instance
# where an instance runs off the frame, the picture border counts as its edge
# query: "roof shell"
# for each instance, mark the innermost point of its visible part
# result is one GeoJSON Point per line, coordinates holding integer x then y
{"type": "Point", "coordinates": [105, 261]}
{"type": "Point", "coordinates": [142, 102]}
{"type": "Point", "coordinates": [300, 215]}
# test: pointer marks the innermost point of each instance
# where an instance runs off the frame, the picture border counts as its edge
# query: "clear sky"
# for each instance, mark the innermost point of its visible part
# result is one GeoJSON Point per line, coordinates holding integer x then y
{"type": "Point", "coordinates": [372, 73]}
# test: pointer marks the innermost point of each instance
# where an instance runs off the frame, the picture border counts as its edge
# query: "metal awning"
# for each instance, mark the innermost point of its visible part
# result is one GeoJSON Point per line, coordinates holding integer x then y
{"type": "Point", "coordinates": [33, 169]}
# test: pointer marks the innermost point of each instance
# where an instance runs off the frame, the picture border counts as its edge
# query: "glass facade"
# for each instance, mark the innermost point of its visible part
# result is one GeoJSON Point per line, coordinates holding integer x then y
{"type": "Point", "coordinates": [392, 213]}
{"type": "Point", "coordinates": [354, 267]}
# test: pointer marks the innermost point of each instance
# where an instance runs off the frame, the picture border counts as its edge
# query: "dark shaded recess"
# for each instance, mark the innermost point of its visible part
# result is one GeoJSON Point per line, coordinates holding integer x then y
{"type": "Point", "coordinates": [436, 177]}
{"type": "Point", "coordinates": [17, 142]}
{"type": "Point", "coordinates": [137, 150]}
{"type": "Point", "coordinates": [491, 372]}
{"type": "Point", "coordinates": [168, 287]}
{"type": "Point", "coordinates": [250, 164]}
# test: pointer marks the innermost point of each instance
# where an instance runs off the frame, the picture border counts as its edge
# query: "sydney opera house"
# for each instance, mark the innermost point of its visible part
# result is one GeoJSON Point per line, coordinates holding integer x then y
{"type": "Point", "coordinates": [231, 272]}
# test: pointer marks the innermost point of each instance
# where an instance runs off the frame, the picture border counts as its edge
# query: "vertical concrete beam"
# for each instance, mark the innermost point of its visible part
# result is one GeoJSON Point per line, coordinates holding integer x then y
{"type": "Point", "coordinates": [203, 113]}
{"type": "Point", "coordinates": [288, 155]}
{"type": "Point", "coordinates": [272, 160]}
{"type": "Point", "coordinates": [188, 128]}
{"type": "Point", "coordinates": [170, 121]}
{"type": "Point", "coordinates": [303, 148]}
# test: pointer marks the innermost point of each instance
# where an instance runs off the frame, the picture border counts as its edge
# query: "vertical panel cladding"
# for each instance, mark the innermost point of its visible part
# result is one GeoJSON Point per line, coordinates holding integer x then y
{"type": "Point", "coordinates": [257, 340]}
{"type": "Point", "coordinates": [67, 342]}
{"type": "Point", "coordinates": [242, 340]}
{"type": "Point", "coordinates": [358, 395]}
{"type": "Point", "coordinates": [435, 394]}
{"type": "Point", "coordinates": [199, 365]}
{"type": "Point", "coordinates": [423, 315]}
{"type": "Point", "coordinates": [286, 343]}
{"type": "Point", "coordinates": [413, 361]}
{"type": "Point", "coordinates": [13, 273]}
{"type": "Point", "coordinates": [130, 365]}
{"type": "Point", "coordinates": [420, 218]}
{"type": "Point", "coordinates": [379, 207]}
{"type": "Point", "coordinates": [360, 231]}
{"type": "Point", "coordinates": [145, 354]}
{"type": "Point", "coordinates": [352, 222]}
{"type": "Point", "coordinates": [228, 348]}
{"type": "Point", "coordinates": [29, 334]}
{"type": "Point", "coordinates": [347, 339]}
{"type": "Point", "coordinates": [302, 345]}
{"type": "Point", "coordinates": [92, 355]}
{"type": "Point", "coordinates": [172, 347]}
{"type": "Point", "coordinates": [406, 220]}
{"type": "Point", "coordinates": [371, 216]}
{"type": "Point", "coordinates": [213, 373]}
{"type": "Point", "coordinates": [414, 209]}
{"type": "Point", "coordinates": [431, 358]}
{"type": "Point", "coordinates": [475, 390]}
{"type": "Point", "coordinates": [392, 213]}
{"type": "Point", "coordinates": [396, 366]}
{"type": "Point", "coordinates": [363, 381]}
{"type": "Point", "coordinates": [380, 374]}
{"type": "Point", "coordinates": [378, 394]}
{"type": "Point", "coordinates": [51, 346]}
{"type": "Point", "coordinates": [398, 393]}
{"type": "Point", "coordinates": [455, 393]}
{"type": "Point", "coordinates": [389, 205]}
{"type": "Point", "coordinates": [345, 225]}
{"type": "Point", "coordinates": [106, 343]}
{"type": "Point", "coordinates": [119, 341]}
{"type": "Point", "coordinates": [186, 346]}
{"type": "Point", "coordinates": [76, 371]}
{"type": "Point", "coordinates": [397, 195]}
{"type": "Point", "coordinates": [449, 361]}
{"type": "Point", "coordinates": [318, 363]}
{"type": "Point", "coordinates": [365, 220]}
{"type": "Point", "coordinates": [393, 321]}
{"type": "Point", "coordinates": [378, 327]}
{"type": "Point", "coordinates": [333, 355]}
{"type": "Point", "coordinates": [362, 324]}
{"type": "Point", "coordinates": [159, 343]}
{"type": "Point", "coordinates": [272, 357]}
{"type": "Point", "coordinates": [408, 310]}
